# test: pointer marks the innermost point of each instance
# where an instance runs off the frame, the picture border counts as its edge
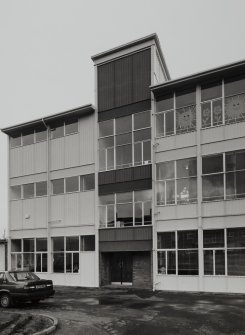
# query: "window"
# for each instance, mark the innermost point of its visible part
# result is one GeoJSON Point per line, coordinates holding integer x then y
{"type": "Point", "coordinates": [71, 126]}
{"type": "Point", "coordinates": [224, 169]}
{"type": "Point", "coordinates": [15, 192]}
{"type": "Point", "coordinates": [212, 104]}
{"type": "Point", "coordinates": [87, 243]}
{"type": "Point", "coordinates": [214, 252]}
{"type": "Point", "coordinates": [72, 184]}
{"type": "Point", "coordinates": [176, 114]}
{"type": "Point", "coordinates": [15, 140]}
{"type": "Point", "coordinates": [125, 209]}
{"type": "Point", "coordinates": [181, 246]}
{"type": "Point", "coordinates": [28, 191]}
{"type": "Point", "coordinates": [58, 186]}
{"type": "Point", "coordinates": [58, 254]}
{"type": "Point", "coordinates": [235, 99]}
{"type": "Point", "coordinates": [41, 188]}
{"type": "Point", "coordinates": [88, 182]}
{"type": "Point", "coordinates": [28, 137]}
{"type": "Point", "coordinates": [41, 255]}
{"type": "Point", "coordinates": [57, 130]}
{"type": "Point", "coordinates": [177, 182]}
{"type": "Point", "coordinates": [66, 254]}
{"type": "Point", "coordinates": [224, 252]}
{"type": "Point", "coordinates": [41, 134]}
{"type": "Point", "coordinates": [125, 141]}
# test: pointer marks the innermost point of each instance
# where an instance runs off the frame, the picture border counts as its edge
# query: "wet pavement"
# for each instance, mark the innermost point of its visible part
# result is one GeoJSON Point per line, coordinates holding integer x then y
{"type": "Point", "coordinates": [131, 312]}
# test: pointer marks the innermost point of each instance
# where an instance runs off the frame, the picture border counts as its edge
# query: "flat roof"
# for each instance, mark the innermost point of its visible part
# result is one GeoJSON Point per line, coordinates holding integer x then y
{"type": "Point", "coordinates": [75, 112]}
{"type": "Point", "coordinates": [229, 70]}
{"type": "Point", "coordinates": [135, 43]}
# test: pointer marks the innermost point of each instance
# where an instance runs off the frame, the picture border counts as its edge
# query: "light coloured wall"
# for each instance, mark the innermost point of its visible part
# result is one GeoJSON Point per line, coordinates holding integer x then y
{"type": "Point", "coordinates": [2, 257]}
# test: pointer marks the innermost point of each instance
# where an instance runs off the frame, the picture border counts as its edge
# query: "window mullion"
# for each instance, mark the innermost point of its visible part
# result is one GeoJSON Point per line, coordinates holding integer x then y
{"type": "Point", "coordinates": [223, 102]}
{"type": "Point", "coordinates": [211, 107]}
{"type": "Point", "coordinates": [176, 253]}
{"type": "Point", "coordinates": [174, 98]}
{"type": "Point", "coordinates": [226, 265]}
{"type": "Point", "coordinates": [214, 266]}
{"type": "Point", "coordinates": [224, 176]}
{"type": "Point", "coordinates": [175, 182]}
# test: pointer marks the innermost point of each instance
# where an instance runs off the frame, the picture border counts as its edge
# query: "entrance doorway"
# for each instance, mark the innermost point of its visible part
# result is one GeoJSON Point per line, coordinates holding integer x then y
{"type": "Point", "coordinates": [121, 267]}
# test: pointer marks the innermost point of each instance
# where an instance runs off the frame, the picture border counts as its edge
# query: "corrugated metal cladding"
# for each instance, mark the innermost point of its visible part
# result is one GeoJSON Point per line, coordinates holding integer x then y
{"type": "Point", "coordinates": [125, 246]}
{"type": "Point", "coordinates": [126, 234]}
{"type": "Point", "coordinates": [129, 186]}
{"type": "Point", "coordinates": [124, 81]}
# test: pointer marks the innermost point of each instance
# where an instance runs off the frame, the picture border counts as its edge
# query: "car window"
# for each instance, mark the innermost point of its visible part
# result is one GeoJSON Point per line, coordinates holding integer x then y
{"type": "Point", "coordinates": [22, 276]}
{"type": "Point", "coordinates": [1, 277]}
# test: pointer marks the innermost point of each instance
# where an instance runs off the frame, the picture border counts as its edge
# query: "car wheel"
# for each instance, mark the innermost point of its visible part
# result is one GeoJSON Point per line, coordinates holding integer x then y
{"type": "Point", "coordinates": [5, 300]}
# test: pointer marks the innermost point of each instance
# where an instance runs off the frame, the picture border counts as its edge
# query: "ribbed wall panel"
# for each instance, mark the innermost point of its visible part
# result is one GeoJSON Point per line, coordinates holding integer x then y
{"type": "Point", "coordinates": [141, 75]}
{"type": "Point", "coordinates": [126, 234]}
{"type": "Point", "coordinates": [28, 214]}
{"type": "Point", "coordinates": [15, 163]}
{"type": "Point", "coordinates": [16, 214]}
{"type": "Point", "coordinates": [71, 150]}
{"type": "Point", "coordinates": [72, 209]}
{"type": "Point", "coordinates": [124, 175]}
{"type": "Point", "coordinates": [40, 157]}
{"type": "Point", "coordinates": [57, 210]}
{"type": "Point", "coordinates": [106, 86]}
{"type": "Point", "coordinates": [123, 81]}
{"type": "Point", "coordinates": [142, 172]}
{"type": "Point", "coordinates": [123, 246]}
{"type": "Point", "coordinates": [28, 159]}
{"type": "Point", "coordinates": [87, 208]}
{"type": "Point", "coordinates": [40, 206]}
{"type": "Point", "coordinates": [57, 156]}
{"type": "Point", "coordinates": [86, 140]}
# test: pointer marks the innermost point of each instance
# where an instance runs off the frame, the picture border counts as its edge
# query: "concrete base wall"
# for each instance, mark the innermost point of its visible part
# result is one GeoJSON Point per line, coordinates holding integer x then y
{"type": "Point", "coordinates": [142, 270]}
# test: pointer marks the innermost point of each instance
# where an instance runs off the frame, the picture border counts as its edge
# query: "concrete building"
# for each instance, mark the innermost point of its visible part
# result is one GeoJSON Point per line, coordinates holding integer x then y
{"type": "Point", "coordinates": [145, 188]}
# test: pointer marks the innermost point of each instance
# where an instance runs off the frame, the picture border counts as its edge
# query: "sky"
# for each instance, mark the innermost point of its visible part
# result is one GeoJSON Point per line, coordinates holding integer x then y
{"type": "Point", "coordinates": [46, 48]}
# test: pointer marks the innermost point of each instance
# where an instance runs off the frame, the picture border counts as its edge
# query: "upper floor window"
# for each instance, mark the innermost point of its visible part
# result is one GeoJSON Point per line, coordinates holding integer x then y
{"type": "Point", "coordinates": [73, 184]}
{"type": "Point", "coordinates": [176, 182]}
{"type": "Point", "coordinates": [28, 136]}
{"type": "Point", "coordinates": [27, 191]}
{"type": "Point", "coordinates": [212, 104]}
{"type": "Point", "coordinates": [64, 128]}
{"type": "Point", "coordinates": [223, 176]}
{"type": "Point", "coordinates": [125, 141]}
{"type": "Point", "coordinates": [176, 113]}
{"type": "Point", "coordinates": [234, 99]}
{"type": "Point", "coordinates": [125, 209]}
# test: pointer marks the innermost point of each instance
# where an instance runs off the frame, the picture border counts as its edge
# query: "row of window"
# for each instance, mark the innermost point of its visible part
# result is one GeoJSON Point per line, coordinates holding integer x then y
{"type": "Point", "coordinates": [125, 141]}
{"type": "Point", "coordinates": [126, 209]}
{"type": "Point", "coordinates": [223, 252]}
{"type": "Point", "coordinates": [32, 254]}
{"type": "Point", "coordinates": [59, 186]}
{"type": "Point", "coordinates": [223, 177]}
{"type": "Point", "coordinates": [222, 102]}
{"type": "Point", "coordinates": [31, 136]}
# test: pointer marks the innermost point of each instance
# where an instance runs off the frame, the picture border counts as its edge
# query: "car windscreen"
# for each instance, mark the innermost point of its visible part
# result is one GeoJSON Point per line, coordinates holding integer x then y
{"type": "Point", "coordinates": [22, 276]}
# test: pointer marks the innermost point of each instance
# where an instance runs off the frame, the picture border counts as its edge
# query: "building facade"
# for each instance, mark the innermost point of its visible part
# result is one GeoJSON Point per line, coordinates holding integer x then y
{"type": "Point", "coordinates": [145, 188]}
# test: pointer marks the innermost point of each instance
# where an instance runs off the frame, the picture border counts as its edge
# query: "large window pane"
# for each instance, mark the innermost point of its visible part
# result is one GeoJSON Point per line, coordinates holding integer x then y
{"type": "Point", "coordinates": [208, 262]}
{"type": "Point", "coordinates": [235, 237]}
{"type": "Point", "coordinates": [235, 184]}
{"type": "Point", "coordinates": [28, 137]}
{"type": "Point", "coordinates": [169, 123]}
{"type": "Point", "coordinates": [58, 186]}
{"type": "Point", "coordinates": [41, 244]}
{"type": "Point", "coordinates": [165, 170]}
{"type": "Point", "coordinates": [186, 119]}
{"type": "Point", "coordinates": [69, 262]}
{"type": "Point", "coordinates": [170, 191]}
{"type": "Point", "coordinates": [206, 114]}
{"type": "Point", "coordinates": [58, 244]}
{"type": "Point", "coordinates": [236, 262]}
{"type": "Point", "coordinates": [160, 193]}
{"type": "Point", "coordinates": [234, 85]}
{"type": "Point", "coordinates": [138, 213]}
{"type": "Point", "coordinates": [58, 262]}
{"type": "Point", "coordinates": [72, 243]}
{"type": "Point", "coordinates": [75, 262]}
{"type": "Point", "coordinates": [102, 160]}
{"type": "Point", "coordinates": [41, 188]}
{"type": "Point", "coordinates": [41, 134]}
{"type": "Point", "coordinates": [28, 261]}
{"type": "Point", "coordinates": [71, 126]}
{"type": "Point", "coordinates": [44, 262]}
{"type": "Point", "coordinates": [28, 245]}
{"type": "Point", "coordinates": [217, 112]}
{"type": "Point", "coordinates": [161, 262]}
{"type": "Point", "coordinates": [166, 103]}
{"type": "Point", "coordinates": [124, 214]}
{"type": "Point", "coordinates": [15, 140]}
{"type": "Point", "coordinates": [171, 262]}
{"type": "Point", "coordinates": [15, 192]}
{"type": "Point", "coordinates": [38, 262]}
{"type": "Point", "coordinates": [124, 139]}
{"type": "Point", "coordinates": [57, 130]}
{"type": "Point", "coordinates": [187, 239]}
{"type": "Point", "coordinates": [213, 187]}
{"type": "Point", "coordinates": [88, 243]}
{"type": "Point", "coordinates": [141, 135]}
{"type": "Point", "coordinates": [102, 216]}
{"type": "Point", "coordinates": [106, 142]}
{"type": "Point", "coordinates": [124, 124]}
{"type": "Point", "coordinates": [186, 167]}
{"type": "Point", "coordinates": [219, 262]}
{"type": "Point", "coordinates": [138, 153]}
{"type": "Point", "coordinates": [235, 109]}
{"type": "Point", "coordinates": [186, 190]}
{"type": "Point", "coordinates": [16, 245]}
{"type": "Point", "coordinates": [147, 212]}
{"type": "Point", "coordinates": [106, 128]}
{"type": "Point", "coordinates": [72, 184]}
{"type": "Point", "coordinates": [110, 158]}
{"type": "Point", "coordinates": [146, 152]}
{"type": "Point", "coordinates": [211, 91]}
{"type": "Point", "coordinates": [240, 160]}
{"type": "Point", "coordinates": [166, 240]}
{"type": "Point", "coordinates": [160, 124]}
{"type": "Point", "coordinates": [142, 120]}
{"type": "Point", "coordinates": [124, 156]}
{"type": "Point", "coordinates": [185, 98]}
{"type": "Point", "coordinates": [28, 191]}
{"type": "Point", "coordinates": [107, 199]}
{"type": "Point", "coordinates": [212, 164]}
{"type": "Point", "coordinates": [110, 215]}
{"type": "Point", "coordinates": [188, 262]}
{"type": "Point", "coordinates": [213, 238]}
{"type": "Point", "coordinates": [142, 195]}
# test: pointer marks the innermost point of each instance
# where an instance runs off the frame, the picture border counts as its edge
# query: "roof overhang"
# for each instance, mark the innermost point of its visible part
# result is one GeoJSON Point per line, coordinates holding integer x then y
{"type": "Point", "coordinates": [72, 113]}
{"type": "Point", "coordinates": [186, 82]}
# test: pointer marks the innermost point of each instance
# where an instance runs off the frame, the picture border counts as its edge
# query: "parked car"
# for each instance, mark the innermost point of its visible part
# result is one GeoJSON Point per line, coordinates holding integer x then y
{"type": "Point", "coordinates": [18, 286]}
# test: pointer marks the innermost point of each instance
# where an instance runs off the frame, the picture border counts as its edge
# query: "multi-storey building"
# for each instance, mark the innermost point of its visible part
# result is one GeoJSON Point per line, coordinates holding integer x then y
{"type": "Point", "coordinates": [145, 188]}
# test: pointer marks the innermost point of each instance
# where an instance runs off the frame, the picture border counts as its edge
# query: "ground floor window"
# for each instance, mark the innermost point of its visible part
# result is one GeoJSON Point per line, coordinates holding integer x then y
{"type": "Point", "coordinates": [30, 254]}
{"type": "Point", "coordinates": [178, 252]}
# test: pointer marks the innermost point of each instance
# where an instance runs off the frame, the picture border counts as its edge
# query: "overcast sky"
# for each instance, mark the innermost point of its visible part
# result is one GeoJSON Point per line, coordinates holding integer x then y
{"type": "Point", "coordinates": [46, 45]}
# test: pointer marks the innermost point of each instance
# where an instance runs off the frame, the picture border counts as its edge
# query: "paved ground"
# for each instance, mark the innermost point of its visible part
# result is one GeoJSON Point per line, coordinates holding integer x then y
{"type": "Point", "coordinates": [130, 312]}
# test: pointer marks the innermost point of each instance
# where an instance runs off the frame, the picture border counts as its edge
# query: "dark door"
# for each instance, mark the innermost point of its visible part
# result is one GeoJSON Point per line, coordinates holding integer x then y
{"type": "Point", "coordinates": [121, 268]}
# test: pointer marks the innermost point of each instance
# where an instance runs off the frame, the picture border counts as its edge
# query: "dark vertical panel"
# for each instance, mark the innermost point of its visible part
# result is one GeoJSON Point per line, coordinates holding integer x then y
{"type": "Point", "coordinates": [141, 75]}
{"type": "Point", "coordinates": [123, 81]}
{"type": "Point", "coordinates": [106, 86]}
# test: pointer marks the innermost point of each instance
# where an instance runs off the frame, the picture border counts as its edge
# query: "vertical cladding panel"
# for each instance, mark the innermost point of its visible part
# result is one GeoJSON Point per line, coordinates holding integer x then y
{"type": "Point", "coordinates": [123, 81]}
{"type": "Point", "coordinates": [57, 209]}
{"type": "Point", "coordinates": [16, 168]}
{"type": "Point", "coordinates": [57, 157]}
{"type": "Point", "coordinates": [106, 86]}
{"type": "Point", "coordinates": [72, 209]}
{"type": "Point", "coordinates": [41, 212]}
{"type": "Point", "coordinates": [28, 214]}
{"type": "Point", "coordinates": [28, 159]}
{"type": "Point", "coordinates": [141, 75]}
{"type": "Point", "coordinates": [71, 150]}
{"type": "Point", "coordinates": [86, 207]}
{"type": "Point", "coordinates": [86, 140]}
{"type": "Point", "coordinates": [16, 214]}
{"type": "Point", "coordinates": [40, 157]}
{"type": "Point", "coordinates": [87, 269]}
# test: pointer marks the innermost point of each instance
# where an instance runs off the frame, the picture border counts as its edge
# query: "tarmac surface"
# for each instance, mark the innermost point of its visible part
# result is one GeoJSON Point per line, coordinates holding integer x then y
{"type": "Point", "coordinates": [124, 311]}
